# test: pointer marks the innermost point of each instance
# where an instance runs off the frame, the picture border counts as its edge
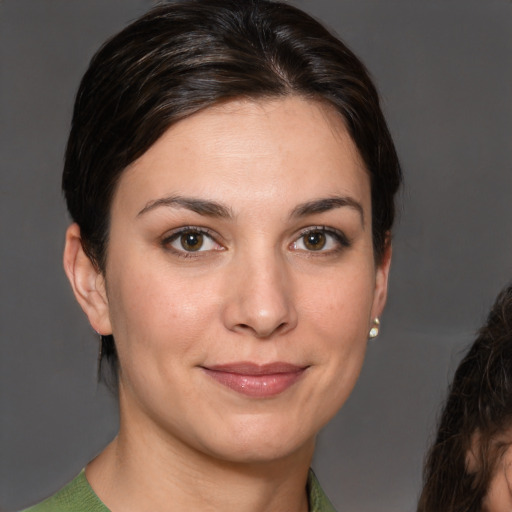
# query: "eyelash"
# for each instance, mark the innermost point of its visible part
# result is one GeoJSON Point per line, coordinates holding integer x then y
{"type": "Point", "coordinates": [182, 253]}
{"type": "Point", "coordinates": [339, 237]}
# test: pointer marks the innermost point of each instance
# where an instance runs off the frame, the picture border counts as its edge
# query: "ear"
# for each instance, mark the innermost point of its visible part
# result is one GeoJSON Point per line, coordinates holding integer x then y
{"type": "Point", "coordinates": [381, 281]}
{"type": "Point", "coordinates": [87, 282]}
{"type": "Point", "coordinates": [473, 464]}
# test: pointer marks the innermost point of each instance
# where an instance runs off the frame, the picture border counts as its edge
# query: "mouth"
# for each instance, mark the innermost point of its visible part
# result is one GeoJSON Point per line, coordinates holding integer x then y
{"type": "Point", "coordinates": [256, 381]}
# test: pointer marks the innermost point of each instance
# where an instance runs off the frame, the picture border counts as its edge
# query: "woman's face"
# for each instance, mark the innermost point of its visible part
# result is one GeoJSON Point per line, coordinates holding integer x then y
{"type": "Point", "coordinates": [240, 279]}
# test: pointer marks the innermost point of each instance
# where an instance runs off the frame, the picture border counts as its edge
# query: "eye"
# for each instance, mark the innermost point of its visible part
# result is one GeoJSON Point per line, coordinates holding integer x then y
{"type": "Point", "coordinates": [320, 239]}
{"type": "Point", "coordinates": [189, 240]}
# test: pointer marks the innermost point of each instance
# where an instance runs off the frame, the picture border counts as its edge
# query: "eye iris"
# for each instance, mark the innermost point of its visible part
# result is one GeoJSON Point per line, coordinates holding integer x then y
{"type": "Point", "coordinates": [191, 241]}
{"type": "Point", "coordinates": [315, 241]}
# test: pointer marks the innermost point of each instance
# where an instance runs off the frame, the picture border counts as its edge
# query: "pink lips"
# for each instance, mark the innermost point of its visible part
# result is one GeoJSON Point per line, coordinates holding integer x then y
{"type": "Point", "coordinates": [258, 381]}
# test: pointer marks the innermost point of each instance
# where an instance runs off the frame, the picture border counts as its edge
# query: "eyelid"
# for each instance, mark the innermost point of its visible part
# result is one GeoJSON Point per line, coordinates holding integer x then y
{"type": "Point", "coordinates": [325, 229]}
{"type": "Point", "coordinates": [339, 236]}
{"type": "Point", "coordinates": [174, 234]}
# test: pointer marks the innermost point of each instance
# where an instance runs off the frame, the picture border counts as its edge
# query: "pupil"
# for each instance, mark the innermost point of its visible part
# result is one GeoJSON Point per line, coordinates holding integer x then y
{"type": "Point", "coordinates": [192, 241]}
{"type": "Point", "coordinates": [315, 241]}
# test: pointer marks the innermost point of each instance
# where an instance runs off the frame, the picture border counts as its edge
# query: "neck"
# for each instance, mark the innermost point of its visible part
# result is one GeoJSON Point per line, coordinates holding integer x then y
{"type": "Point", "coordinates": [146, 469]}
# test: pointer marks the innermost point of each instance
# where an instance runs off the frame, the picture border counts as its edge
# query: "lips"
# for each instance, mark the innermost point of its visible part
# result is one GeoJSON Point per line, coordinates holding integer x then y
{"type": "Point", "coordinates": [257, 381]}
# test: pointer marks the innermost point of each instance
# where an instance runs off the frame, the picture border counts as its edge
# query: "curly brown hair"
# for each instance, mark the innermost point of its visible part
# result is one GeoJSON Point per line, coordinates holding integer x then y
{"type": "Point", "coordinates": [461, 462]}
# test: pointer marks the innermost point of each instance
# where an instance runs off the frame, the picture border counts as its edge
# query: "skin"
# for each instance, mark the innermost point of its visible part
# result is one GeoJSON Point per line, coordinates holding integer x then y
{"type": "Point", "coordinates": [255, 292]}
{"type": "Point", "coordinates": [499, 494]}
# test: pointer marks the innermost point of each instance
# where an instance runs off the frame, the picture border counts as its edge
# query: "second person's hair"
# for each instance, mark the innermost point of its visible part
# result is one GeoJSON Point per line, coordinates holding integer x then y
{"type": "Point", "coordinates": [461, 462]}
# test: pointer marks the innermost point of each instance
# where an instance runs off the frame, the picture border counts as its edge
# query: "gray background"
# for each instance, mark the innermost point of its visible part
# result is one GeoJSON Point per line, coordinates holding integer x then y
{"type": "Point", "coordinates": [444, 69]}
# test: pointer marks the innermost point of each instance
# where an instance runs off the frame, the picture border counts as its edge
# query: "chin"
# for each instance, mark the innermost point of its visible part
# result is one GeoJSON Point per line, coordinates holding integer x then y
{"type": "Point", "coordinates": [259, 453]}
{"type": "Point", "coordinates": [262, 443]}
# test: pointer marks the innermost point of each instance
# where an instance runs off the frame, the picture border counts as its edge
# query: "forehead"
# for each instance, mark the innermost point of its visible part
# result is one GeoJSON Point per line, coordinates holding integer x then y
{"type": "Point", "coordinates": [267, 147]}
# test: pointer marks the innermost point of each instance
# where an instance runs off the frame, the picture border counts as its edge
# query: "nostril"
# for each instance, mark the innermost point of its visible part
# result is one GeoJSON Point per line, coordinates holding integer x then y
{"type": "Point", "coordinates": [281, 326]}
{"type": "Point", "coordinates": [262, 331]}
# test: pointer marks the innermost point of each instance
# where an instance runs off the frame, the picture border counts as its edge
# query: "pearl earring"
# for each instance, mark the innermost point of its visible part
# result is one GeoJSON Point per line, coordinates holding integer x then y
{"type": "Point", "coordinates": [374, 331]}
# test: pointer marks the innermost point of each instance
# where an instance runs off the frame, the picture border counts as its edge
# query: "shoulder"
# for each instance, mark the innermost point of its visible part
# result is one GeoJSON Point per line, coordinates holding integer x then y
{"type": "Point", "coordinates": [77, 496]}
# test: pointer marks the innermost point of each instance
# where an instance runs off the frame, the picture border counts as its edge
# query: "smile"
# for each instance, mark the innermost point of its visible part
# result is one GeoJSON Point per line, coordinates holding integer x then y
{"type": "Point", "coordinates": [257, 381]}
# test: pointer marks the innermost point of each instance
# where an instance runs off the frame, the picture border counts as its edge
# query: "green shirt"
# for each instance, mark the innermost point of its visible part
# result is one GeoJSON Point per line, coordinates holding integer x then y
{"type": "Point", "coordinates": [78, 496]}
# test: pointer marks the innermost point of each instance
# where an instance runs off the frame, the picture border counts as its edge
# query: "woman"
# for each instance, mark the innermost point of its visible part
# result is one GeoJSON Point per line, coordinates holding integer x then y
{"type": "Point", "coordinates": [231, 179]}
{"type": "Point", "coordinates": [469, 467]}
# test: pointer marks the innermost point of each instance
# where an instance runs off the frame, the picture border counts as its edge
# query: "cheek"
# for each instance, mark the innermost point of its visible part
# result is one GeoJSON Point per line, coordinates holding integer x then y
{"type": "Point", "coordinates": [338, 322]}
{"type": "Point", "coordinates": [341, 305]}
{"type": "Point", "coordinates": [499, 493]}
{"type": "Point", "coordinates": [153, 312]}
{"type": "Point", "coordinates": [498, 498]}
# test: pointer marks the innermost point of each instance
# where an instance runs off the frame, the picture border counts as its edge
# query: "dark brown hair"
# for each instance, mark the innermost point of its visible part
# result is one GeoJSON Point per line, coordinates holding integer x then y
{"type": "Point", "coordinates": [185, 56]}
{"type": "Point", "coordinates": [461, 462]}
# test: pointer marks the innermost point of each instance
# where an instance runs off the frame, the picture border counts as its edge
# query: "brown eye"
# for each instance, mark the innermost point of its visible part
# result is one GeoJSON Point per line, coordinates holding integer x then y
{"type": "Point", "coordinates": [314, 241]}
{"type": "Point", "coordinates": [322, 240]}
{"type": "Point", "coordinates": [191, 241]}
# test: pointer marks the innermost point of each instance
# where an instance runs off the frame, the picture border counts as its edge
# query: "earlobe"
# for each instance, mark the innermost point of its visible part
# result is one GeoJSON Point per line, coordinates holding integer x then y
{"type": "Point", "coordinates": [381, 282]}
{"type": "Point", "coordinates": [87, 282]}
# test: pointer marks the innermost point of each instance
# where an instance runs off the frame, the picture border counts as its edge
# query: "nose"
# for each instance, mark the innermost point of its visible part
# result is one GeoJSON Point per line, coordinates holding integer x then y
{"type": "Point", "coordinates": [259, 300]}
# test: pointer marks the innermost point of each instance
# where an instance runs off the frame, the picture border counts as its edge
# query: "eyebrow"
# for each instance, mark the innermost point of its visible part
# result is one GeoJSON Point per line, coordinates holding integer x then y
{"type": "Point", "coordinates": [326, 204]}
{"type": "Point", "coordinates": [214, 209]}
{"type": "Point", "coordinates": [200, 206]}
